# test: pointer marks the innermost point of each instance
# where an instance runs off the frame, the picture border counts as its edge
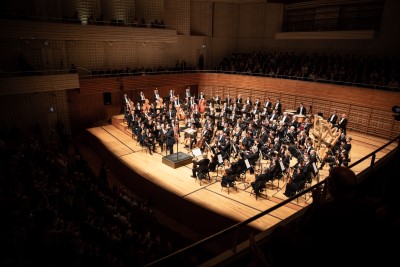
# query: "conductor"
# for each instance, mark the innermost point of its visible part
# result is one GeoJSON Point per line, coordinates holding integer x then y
{"type": "Point", "coordinates": [170, 139]}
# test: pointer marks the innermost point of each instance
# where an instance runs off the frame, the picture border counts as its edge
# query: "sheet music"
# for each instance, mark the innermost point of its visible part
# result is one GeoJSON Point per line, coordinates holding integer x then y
{"type": "Point", "coordinates": [219, 157]}
{"type": "Point", "coordinates": [190, 131]}
{"type": "Point", "coordinates": [196, 152]}
{"type": "Point", "coordinates": [315, 169]}
{"type": "Point", "coordinates": [246, 161]}
{"type": "Point", "coordinates": [281, 165]}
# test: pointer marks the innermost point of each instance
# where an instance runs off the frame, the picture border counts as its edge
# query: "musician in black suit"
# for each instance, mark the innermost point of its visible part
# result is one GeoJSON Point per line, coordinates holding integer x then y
{"type": "Point", "coordinates": [268, 104]}
{"type": "Point", "coordinates": [170, 139]}
{"type": "Point", "coordinates": [274, 116]}
{"type": "Point", "coordinates": [285, 119]}
{"type": "Point", "coordinates": [142, 97]}
{"type": "Point", "coordinates": [278, 106]}
{"type": "Point", "coordinates": [333, 118]}
{"type": "Point", "coordinates": [248, 101]}
{"type": "Point", "coordinates": [200, 165]}
{"type": "Point", "coordinates": [301, 109]}
{"type": "Point", "coordinates": [342, 123]}
{"type": "Point", "coordinates": [171, 114]}
{"type": "Point", "coordinates": [239, 99]}
{"type": "Point", "coordinates": [247, 141]}
{"type": "Point", "coordinates": [228, 100]}
{"type": "Point", "coordinates": [187, 93]}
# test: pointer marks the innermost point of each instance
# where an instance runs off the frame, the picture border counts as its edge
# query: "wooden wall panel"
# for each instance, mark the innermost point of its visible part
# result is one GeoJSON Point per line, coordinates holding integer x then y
{"type": "Point", "coordinates": [321, 106]}
{"type": "Point", "coordinates": [356, 102]}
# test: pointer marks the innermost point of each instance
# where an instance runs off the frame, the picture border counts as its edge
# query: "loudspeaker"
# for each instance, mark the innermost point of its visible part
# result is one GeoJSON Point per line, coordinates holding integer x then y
{"type": "Point", "coordinates": [107, 98]}
{"type": "Point", "coordinates": [320, 114]}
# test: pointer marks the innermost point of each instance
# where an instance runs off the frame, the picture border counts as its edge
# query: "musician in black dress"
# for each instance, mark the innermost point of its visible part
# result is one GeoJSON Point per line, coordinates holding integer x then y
{"type": "Point", "coordinates": [260, 180]}
{"type": "Point", "coordinates": [296, 183]}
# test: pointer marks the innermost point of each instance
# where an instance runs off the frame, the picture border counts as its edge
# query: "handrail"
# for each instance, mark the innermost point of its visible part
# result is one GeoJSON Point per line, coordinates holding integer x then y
{"type": "Point", "coordinates": [239, 225]}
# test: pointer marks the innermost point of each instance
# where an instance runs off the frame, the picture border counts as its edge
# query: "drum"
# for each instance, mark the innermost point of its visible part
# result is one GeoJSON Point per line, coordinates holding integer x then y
{"type": "Point", "coordinates": [300, 118]}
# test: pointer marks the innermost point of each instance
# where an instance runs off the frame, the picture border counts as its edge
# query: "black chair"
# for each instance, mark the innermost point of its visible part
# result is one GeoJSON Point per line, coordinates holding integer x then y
{"type": "Point", "coordinates": [260, 186]}
{"type": "Point", "coordinates": [228, 183]}
{"type": "Point", "coordinates": [203, 173]}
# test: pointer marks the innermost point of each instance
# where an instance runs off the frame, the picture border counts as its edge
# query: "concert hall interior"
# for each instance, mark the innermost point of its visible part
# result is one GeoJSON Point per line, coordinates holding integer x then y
{"type": "Point", "coordinates": [199, 133]}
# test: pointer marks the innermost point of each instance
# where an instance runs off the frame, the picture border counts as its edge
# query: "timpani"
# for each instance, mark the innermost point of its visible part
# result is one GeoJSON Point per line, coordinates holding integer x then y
{"type": "Point", "coordinates": [300, 118]}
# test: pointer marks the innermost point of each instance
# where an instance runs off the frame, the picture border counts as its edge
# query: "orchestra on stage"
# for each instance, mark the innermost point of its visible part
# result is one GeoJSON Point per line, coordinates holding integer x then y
{"type": "Point", "coordinates": [237, 133]}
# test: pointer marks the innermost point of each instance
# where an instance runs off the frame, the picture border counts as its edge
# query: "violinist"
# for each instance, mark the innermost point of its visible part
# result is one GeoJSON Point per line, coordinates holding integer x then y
{"type": "Point", "coordinates": [228, 100]}
{"type": "Point", "coordinates": [264, 113]}
{"type": "Point", "coordinates": [285, 119]}
{"type": "Point", "coordinates": [206, 134]}
{"type": "Point", "coordinates": [291, 134]}
{"type": "Point", "coordinates": [274, 116]}
{"type": "Point", "coordinates": [263, 136]}
{"type": "Point", "coordinates": [236, 134]}
{"type": "Point", "coordinates": [131, 118]}
{"type": "Point", "coordinates": [247, 141]}
{"type": "Point", "coordinates": [281, 130]}
{"type": "Point", "coordinates": [193, 120]}
{"type": "Point", "coordinates": [170, 114]}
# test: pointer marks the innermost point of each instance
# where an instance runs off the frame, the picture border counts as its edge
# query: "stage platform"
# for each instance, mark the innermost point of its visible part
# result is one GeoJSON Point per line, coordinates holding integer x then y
{"type": "Point", "coordinates": [177, 160]}
{"type": "Point", "coordinates": [173, 191]}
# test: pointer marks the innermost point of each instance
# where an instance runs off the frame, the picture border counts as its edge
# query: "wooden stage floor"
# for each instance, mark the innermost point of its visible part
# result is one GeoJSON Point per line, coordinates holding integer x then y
{"type": "Point", "coordinates": [237, 205]}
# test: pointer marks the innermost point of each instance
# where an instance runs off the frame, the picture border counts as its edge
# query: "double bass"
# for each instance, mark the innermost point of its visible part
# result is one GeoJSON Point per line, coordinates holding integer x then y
{"type": "Point", "coordinates": [202, 105]}
{"type": "Point", "coordinates": [181, 114]}
{"type": "Point", "coordinates": [159, 103]}
{"type": "Point", "coordinates": [146, 105]}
